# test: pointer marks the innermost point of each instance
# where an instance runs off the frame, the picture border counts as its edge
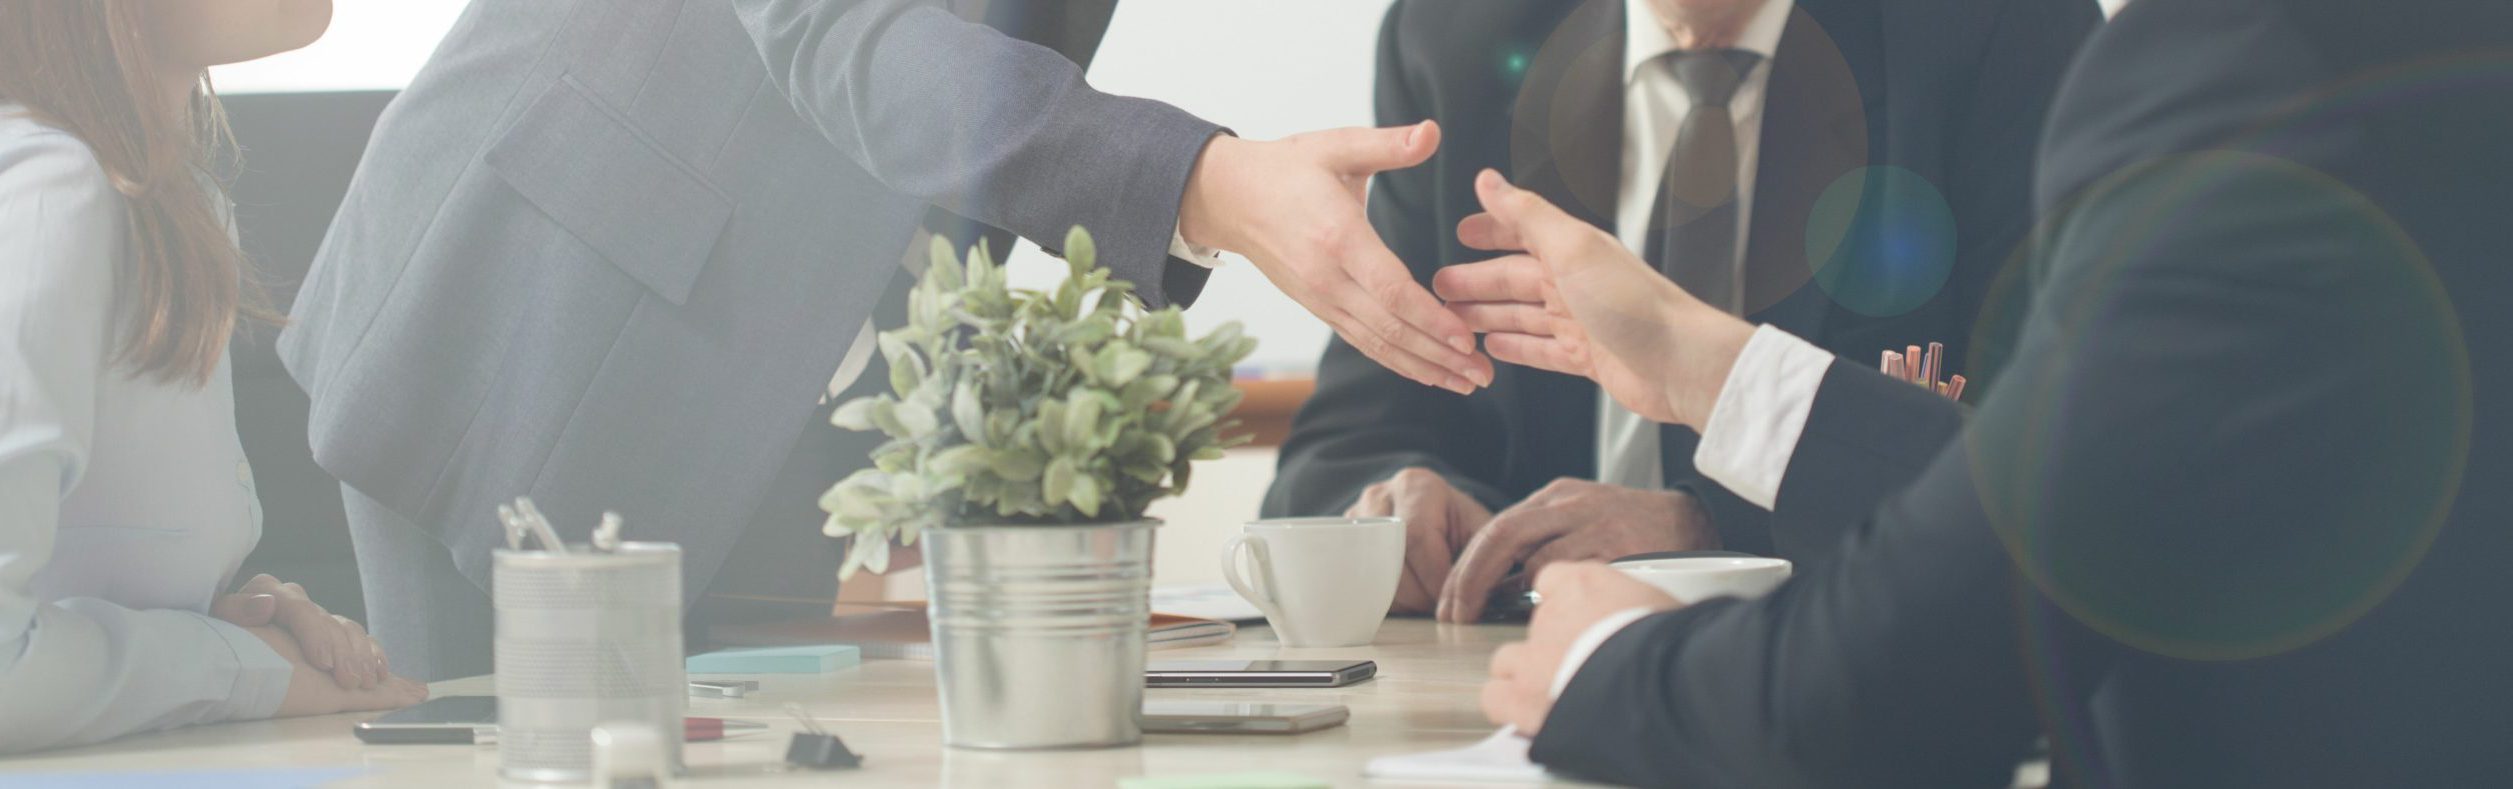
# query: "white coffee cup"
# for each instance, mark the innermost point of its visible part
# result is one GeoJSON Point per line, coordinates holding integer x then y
{"type": "Point", "coordinates": [1322, 582]}
{"type": "Point", "coordinates": [1692, 579]}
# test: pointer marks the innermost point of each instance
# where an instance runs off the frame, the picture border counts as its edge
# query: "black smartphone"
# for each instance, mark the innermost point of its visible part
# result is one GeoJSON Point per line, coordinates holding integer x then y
{"type": "Point", "coordinates": [1257, 673]}
{"type": "Point", "coordinates": [451, 720]}
{"type": "Point", "coordinates": [1238, 717]}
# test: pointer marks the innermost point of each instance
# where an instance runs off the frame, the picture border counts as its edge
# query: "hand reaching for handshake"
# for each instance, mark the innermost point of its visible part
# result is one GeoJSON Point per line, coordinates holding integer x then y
{"type": "Point", "coordinates": [1570, 298]}
{"type": "Point", "coordinates": [1457, 553]}
{"type": "Point", "coordinates": [339, 668]}
{"type": "Point", "coordinates": [1294, 207]}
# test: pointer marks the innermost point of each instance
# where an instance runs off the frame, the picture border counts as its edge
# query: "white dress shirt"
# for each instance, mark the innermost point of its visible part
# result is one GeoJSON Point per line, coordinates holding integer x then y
{"type": "Point", "coordinates": [125, 502]}
{"type": "Point", "coordinates": [1654, 108]}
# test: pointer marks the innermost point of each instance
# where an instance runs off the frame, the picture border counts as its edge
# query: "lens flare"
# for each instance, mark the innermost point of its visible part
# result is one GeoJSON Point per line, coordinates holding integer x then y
{"type": "Point", "coordinates": [2268, 481]}
{"type": "Point", "coordinates": [1881, 240]}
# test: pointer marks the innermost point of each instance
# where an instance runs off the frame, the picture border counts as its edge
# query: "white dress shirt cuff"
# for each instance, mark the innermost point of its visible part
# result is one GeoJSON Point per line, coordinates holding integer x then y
{"type": "Point", "coordinates": [1588, 642]}
{"type": "Point", "coordinates": [261, 674]}
{"type": "Point", "coordinates": [1754, 427]}
{"type": "Point", "coordinates": [1182, 249]}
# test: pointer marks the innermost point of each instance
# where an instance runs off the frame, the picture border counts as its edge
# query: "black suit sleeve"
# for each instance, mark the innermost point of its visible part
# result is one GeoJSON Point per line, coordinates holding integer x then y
{"type": "Point", "coordinates": [1365, 423]}
{"type": "Point", "coordinates": [2170, 457]}
{"type": "Point", "coordinates": [1989, 173]}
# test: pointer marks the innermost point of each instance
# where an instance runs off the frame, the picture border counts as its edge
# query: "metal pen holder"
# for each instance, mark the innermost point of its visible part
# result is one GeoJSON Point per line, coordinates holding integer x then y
{"type": "Point", "coordinates": [584, 639]}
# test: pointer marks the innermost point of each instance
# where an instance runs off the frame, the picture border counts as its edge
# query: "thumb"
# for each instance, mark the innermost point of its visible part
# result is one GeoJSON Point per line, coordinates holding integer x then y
{"type": "Point", "coordinates": [1364, 151]}
{"type": "Point", "coordinates": [1535, 223]}
{"type": "Point", "coordinates": [247, 610]}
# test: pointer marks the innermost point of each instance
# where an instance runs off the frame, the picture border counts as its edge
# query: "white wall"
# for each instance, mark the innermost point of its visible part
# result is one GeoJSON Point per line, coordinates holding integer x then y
{"type": "Point", "coordinates": [1265, 69]}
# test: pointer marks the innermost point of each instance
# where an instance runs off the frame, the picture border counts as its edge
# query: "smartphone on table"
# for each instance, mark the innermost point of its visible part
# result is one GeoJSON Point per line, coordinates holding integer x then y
{"type": "Point", "coordinates": [1239, 717]}
{"type": "Point", "coordinates": [1257, 673]}
{"type": "Point", "coordinates": [448, 720]}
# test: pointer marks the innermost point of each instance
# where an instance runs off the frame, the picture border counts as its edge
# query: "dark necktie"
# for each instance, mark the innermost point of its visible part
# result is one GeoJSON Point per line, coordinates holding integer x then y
{"type": "Point", "coordinates": [1693, 233]}
{"type": "Point", "coordinates": [1695, 242]}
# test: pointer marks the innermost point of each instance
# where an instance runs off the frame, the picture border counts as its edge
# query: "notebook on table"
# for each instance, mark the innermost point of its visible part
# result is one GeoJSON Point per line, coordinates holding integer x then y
{"type": "Point", "coordinates": [898, 631]}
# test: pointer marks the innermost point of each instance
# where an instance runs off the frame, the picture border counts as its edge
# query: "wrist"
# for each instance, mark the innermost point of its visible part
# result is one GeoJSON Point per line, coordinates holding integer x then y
{"type": "Point", "coordinates": [1200, 209]}
{"type": "Point", "coordinates": [1710, 341]}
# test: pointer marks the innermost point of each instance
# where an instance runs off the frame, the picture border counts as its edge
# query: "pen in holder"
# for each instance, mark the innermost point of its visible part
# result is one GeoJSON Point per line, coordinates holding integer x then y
{"type": "Point", "coordinates": [585, 638]}
{"type": "Point", "coordinates": [1925, 369]}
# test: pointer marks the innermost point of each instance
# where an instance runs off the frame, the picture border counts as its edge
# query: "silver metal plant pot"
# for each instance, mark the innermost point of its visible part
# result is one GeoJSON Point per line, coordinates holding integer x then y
{"type": "Point", "coordinates": [1038, 633]}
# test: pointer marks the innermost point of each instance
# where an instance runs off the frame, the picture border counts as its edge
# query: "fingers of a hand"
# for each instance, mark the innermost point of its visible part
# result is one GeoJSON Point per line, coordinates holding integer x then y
{"type": "Point", "coordinates": [1390, 304]}
{"type": "Point", "coordinates": [264, 583]}
{"type": "Point", "coordinates": [1426, 555]}
{"type": "Point", "coordinates": [1509, 278]}
{"type": "Point", "coordinates": [1490, 317]}
{"type": "Point", "coordinates": [1513, 696]}
{"type": "Point", "coordinates": [1541, 227]}
{"type": "Point", "coordinates": [1413, 595]}
{"type": "Point", "coordinates": [245, 609]}
{"type": "Point", "coordinates": [1506, 660]}
{"type": "Point", "coordinates": [1487, 559]}
{"type": "Point", "coordinates": [1366, 151]}
{"type": "Point", "coordinates": [1543, 353]}
{"type": "Point", "coordinates": [363, 654]}
{"type": "Point", "coordinates": [393, 693]}
{"type": "Point", "coordinates": [1582, 545]}
{"type": "Point", "coordinates": [1496, 702]}
{"type": "Point", "coordinates": [1395, 358]}
{"type": "Point", "coordinates": [1487, 232]}
{"type": "Point", "coordinates": [1372, 504]}
{"type": "Point", "coordinates": [315, 631]}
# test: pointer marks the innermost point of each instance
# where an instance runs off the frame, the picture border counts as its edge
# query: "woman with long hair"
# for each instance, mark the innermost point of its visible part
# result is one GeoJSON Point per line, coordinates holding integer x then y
{"type": "Point", "coordinates": [126, 505]}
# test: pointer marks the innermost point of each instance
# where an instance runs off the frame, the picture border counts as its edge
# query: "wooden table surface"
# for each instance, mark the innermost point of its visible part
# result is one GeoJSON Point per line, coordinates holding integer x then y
{"type": "Point", "coordinates": [1423, 699]}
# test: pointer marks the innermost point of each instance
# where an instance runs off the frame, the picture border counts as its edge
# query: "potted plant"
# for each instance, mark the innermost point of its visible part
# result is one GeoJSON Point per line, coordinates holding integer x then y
{"type": "Point", "coordinates": [1029, 430]}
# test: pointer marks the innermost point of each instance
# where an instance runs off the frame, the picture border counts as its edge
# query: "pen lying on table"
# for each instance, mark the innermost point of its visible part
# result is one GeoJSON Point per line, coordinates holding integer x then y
{"type": "Point", "coordinates": [705, 729]}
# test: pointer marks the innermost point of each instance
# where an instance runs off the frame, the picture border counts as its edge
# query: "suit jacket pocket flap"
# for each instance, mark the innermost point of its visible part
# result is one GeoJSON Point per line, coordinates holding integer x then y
{"type": "Point", "coordinates": [594, 174]}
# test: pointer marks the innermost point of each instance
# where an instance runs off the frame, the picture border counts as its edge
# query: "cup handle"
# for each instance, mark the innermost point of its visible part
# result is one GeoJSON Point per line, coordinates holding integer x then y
{"type": "Point", "coordinates": [1264, 570]}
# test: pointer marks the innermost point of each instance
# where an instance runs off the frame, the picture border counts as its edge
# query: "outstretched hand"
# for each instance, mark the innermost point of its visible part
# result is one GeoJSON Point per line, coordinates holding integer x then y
{"type": "Point", "coordinates": [1294, 207]}
{"type": "Point", "coordinates": [1574, 300]}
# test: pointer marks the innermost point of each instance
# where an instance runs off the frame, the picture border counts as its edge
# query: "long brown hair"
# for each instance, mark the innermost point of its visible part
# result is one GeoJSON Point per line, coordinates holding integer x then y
{"type": "Point", "coordinates": [84, 66]}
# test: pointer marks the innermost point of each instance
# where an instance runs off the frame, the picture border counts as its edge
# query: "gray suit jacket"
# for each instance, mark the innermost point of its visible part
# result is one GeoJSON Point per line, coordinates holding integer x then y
{"type": "Point", "coordinates": [607, 253]}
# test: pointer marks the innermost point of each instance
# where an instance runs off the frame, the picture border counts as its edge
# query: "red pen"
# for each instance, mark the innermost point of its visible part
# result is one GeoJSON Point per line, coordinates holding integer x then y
{"type": "Point", "coordinates": [706, 729]}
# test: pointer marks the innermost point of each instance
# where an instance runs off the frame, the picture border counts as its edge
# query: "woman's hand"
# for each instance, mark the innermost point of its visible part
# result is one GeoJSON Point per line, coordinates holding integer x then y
{"type": "Point", "coordinates": [325, 641]}
{"type": "Point", "coordinates": [1574, 300]}
{"type": "Point", "coordinates": [316, 691]}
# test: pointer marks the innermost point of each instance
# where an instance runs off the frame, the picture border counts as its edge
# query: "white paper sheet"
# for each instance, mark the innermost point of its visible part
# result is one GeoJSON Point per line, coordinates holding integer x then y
{"type": "Point", "coordinates": [1205, 601]}
{"type": "Point", "coordinates": [1500, 758]}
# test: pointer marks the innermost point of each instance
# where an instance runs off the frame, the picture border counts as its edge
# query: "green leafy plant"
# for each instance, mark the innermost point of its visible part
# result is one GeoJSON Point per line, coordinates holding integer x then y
{"type": "Point", "coordinates": [1073, 405]}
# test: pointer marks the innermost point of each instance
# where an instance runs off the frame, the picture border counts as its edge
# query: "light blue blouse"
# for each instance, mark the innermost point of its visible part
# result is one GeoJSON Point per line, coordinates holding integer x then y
{"type": "Point", "coordinates": [125, 502]}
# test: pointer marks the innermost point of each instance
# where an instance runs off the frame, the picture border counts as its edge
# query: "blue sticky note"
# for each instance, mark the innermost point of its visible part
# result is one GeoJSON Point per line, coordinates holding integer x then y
{"type": "Point", "coordinates": [812, 659]}
{"type": "Point", "coordinates": [279, 778]}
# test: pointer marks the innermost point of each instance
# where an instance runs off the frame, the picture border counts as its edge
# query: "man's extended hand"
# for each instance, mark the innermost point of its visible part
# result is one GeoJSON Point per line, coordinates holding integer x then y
{"type": "Point", "coordinates": [1294, 207]}
{"type": "Point", "coordinates": [1571, 520]}
{"type": "Point", "coordinates": [1576, 596]}
{"type": "Point", "coordinates": [1439, 519]}
{"type": "Point", "coordinates": [1576, 301]}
